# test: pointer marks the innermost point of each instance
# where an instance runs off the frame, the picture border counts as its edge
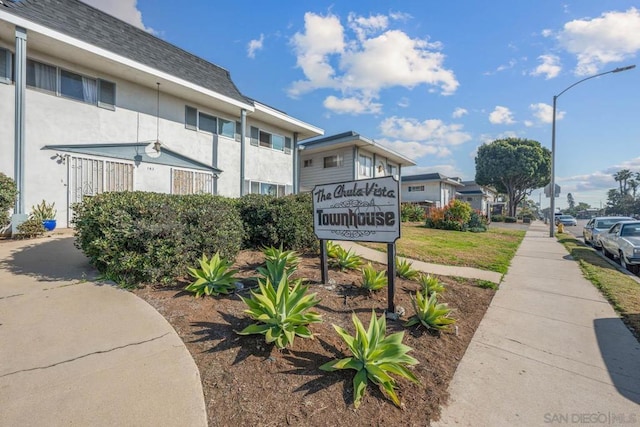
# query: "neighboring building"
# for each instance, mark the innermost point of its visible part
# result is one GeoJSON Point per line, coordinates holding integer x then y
{"type": "Point", "coordinates": [89, 103]}
{"type": "Point", "coordinates": [346, 157]}
{"type": "Point", "coordinates": [479, 197]}
{"type": "Point", "coordinates": [430, 189]}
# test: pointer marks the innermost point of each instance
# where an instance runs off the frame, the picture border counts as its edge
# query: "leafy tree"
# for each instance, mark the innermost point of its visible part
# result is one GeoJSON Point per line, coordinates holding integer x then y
{"type": "Point", "coordinates": [570, 201]}
{"type": "Point", "coordinates": [514, 166]}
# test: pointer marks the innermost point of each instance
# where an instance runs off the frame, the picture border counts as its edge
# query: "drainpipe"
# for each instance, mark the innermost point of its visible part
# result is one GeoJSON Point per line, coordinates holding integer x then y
{"type": "Point", "coordinates": [296, 164]}
{"type": "Point", "coordinates": [20, 83]}
{"type": "Point", "coordinates": [243, 135]}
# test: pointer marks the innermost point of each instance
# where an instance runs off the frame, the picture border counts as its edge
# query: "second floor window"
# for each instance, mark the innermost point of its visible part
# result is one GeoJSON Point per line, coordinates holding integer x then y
{"type": "Point", "coordinates": [366, 165]}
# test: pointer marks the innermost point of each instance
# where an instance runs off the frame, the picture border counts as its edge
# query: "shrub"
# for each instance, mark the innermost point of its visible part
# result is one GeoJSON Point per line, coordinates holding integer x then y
{"type": "Point", "coordinates": [374, 357]}
{"type": "Point", "coordinates": [8, 194]}
{"type": "Point", "coordinates": [282, 313]}
{"type": "Point", "coordinates": [373, 280]}
{"type": "Point", "coordinates": [29, 229]}
{"type": "Point", "coordinates": [477, 222]}
{"type": "Point", "coordinates": [455, 216]}
{"type": "Point", "coordinates": [214, 277]}
{"type": "Point", "coordinates": [497, 218]}
{"type": "Point", "coordinates": [278, 221]}
{"type": "Point", "coordinates": [143, 237]}
{"type": "Point", "coordinates": [411, 212]}
{"type": "Point", "coordinates": [510, 219]}
{"type": "Point", "coordinates": [43, 211]}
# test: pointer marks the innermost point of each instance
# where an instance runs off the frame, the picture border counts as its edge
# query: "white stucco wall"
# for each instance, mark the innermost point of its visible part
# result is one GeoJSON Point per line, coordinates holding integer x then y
{"type": "Point", "coordinates": [317, 174]}
{"type": "Point", "coordinates": [431, 191]}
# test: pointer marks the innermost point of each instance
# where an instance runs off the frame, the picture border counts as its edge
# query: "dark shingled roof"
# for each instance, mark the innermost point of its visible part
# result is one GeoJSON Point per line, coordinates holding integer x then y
{"type": "Point", "coordinates": [424, 177]}
{"type": "Point", "coordinates": [83, 22]}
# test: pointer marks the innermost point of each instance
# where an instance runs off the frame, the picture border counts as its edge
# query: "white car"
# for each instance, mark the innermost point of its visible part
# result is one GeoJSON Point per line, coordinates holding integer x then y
{"type": "Point", "coordinates": [622, 241]}
{"type": "Point", "coordinates": [598, 225]}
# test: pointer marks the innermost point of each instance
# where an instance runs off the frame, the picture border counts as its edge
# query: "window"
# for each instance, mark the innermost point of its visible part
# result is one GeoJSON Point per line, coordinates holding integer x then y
{"type": "Point", "coordinates": [41, 76]}
{"type": "Point", "coordinates": [77, 87]}
{"type": "Point", "coordinates": [366, 165]}
{"type": "Point", "coordinates": [413, 188]}
{"type": "Point", "coordinates": [266, 188]}
{"type": "Point", "coordinates": [207, 123]}
{"type": "Point", "coordinates": [106, 94]}
{"type": "Point", "coordinates": [392, 170]}
{"type": "Point", "coordinates": [197, 120]}
{"type": "Point", "coordinates": [5, 66]}
{"type": "Point", "coordinates": [469, 199]}
{"type": "Point", "coordinates": [333, 161]}
{"type": "Point", "coordinates": [308, 163]}
{"type": "Point", "coordinates": [191, 182]}
{"type": "Point", "coordinates": [70, 85]}
{"type": "Point", "coordinates": [261, 138]}
{"type": "Point", "coordinates": [226, 128]}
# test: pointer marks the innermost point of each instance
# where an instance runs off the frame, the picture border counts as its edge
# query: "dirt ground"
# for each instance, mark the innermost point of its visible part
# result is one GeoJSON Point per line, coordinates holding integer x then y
{"type": "Point", "coordinates": [247, 382]}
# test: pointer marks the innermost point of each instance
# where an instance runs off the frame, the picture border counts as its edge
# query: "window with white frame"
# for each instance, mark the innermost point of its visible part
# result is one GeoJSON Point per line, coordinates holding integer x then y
{"type": "Point", "coordinates": [191, 182]}
{"type": "Point", "coordinates": [333, 161]}
{"type": "Point", "coordinates": [366, 165]}
{"type": "Point", "coordinates": [6, 75]}
{"type": "Point", "coordinates": [265, 139]}
{"type": "Point", "coordinates": [198, 120]}
{"type": "Point", "coordinates": [267, 188]}
{"type": "Point", "coordinates": [413, 188]}
{"type": "Point", "coordinates": [392, 170]}
{"type": "Point", "coordinates": [308, 163]}
{"type": "Point", "coordinates": [69, 84]}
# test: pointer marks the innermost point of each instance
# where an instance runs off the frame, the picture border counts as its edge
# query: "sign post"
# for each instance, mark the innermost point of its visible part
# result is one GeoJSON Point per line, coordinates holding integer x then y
{"type": "Point", "coordinates": [365, 210]}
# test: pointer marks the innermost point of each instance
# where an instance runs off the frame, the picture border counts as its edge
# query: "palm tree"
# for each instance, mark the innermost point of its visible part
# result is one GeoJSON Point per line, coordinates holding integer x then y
{"type": "Point", "coordinates": [622, 177]}
{"type": "Point", "coordinates": [633, 185]}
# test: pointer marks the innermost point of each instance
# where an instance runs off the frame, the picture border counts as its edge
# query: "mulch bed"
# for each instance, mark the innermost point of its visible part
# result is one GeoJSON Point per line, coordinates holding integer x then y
{"type": "Point", "coordinates": [247, 382]}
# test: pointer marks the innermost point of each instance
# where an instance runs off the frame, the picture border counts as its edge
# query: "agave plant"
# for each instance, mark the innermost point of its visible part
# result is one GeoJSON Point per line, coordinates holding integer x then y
{"type": "Point", "coordinates": [275, 269]}
{"type": "Point", "coordinates": [281, 313]}
{"type": "Point", "coordinates": [373, 280]}
{"type": "Point", "coordinates": [429, 313]}
{"type": "Point", "coordinates": [405, 270]}
{"type": "Point", "coordinates": [430, 285]}
{"type": "Point", "coordinates": [213, 277]}
{"type": "Point", "coordinates": [332, 249]}
{"type": "Point", "coordinates": [374, 357]}
{"type": "Point", "coordinates": [345, 259]}
{"type": "Point", "coordinates": [274, 254]}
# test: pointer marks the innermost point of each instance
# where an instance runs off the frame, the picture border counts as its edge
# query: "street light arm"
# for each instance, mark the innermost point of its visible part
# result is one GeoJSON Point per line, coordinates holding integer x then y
{"type": "Point", "coordinates": [617, 70]}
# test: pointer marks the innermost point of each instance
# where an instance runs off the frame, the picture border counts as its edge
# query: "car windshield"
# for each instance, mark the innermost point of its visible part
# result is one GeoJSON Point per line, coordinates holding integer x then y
{"type": "Point", "coordinates": [566, 217]}
{"type": "Point", "coordinates": [607, 223]}
{"type": "Point", "coordinates": [630, 230]}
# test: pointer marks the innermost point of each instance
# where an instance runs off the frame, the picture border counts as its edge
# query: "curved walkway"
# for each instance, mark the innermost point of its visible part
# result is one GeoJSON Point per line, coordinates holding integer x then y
{"type": "Point", "coordinates": [441, 270]}
{"type": "Point", "coordinates": [74, 352]}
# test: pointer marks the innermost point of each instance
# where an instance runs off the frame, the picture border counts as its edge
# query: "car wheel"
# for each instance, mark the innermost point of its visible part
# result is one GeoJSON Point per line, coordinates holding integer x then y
{"type": "Point", "coordinates": [632, 268]}
{"type": "Point", "coordinates": [606, 253]}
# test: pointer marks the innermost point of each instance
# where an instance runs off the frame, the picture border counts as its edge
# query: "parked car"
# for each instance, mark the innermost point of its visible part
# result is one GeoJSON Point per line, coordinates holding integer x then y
{"type": "Point", "coordinates": [598, 225]}
{"type": "Point", "coordinates": [566, 220]}
{"type": "Point", "coordinates": [622, 242]}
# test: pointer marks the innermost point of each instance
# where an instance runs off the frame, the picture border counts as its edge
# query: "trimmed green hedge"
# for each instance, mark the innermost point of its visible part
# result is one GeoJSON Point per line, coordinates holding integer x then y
{"type": "Point", "coordinates": [140, 237]}
{"type": "Point", "coordinates": [278, 221]}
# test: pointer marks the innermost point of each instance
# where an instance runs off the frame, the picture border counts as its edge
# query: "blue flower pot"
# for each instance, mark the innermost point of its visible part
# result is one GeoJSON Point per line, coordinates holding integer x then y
{"type": "Point", "coordinates": [49, 224]}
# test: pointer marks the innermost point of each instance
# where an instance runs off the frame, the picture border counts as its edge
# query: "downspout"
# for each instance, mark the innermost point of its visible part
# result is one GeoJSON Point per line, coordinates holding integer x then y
{"type": "Point", "coordinates": [356, 162]}
{"type": "Point", "coordinates": [243, 135]}
{"type": "Point", "coordinates": [296, 164]}
{"type": "Point", "coordinates": [20, 83]}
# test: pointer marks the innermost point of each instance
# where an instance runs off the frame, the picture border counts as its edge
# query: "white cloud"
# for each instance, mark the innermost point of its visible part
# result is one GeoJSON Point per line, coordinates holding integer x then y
{"type": "Point", "coordinates": [544, 112]}
{"type": "Point", "coordinates": [126, 10]}
{"type": "Point", "coordinates": [415, 150]}
{"type": "Point", "coordinates": [612, 37]}
{"type": "Point", "coordinates": [501, 116]}
{"type": "Point", "coordinates": [352, 105]}
{"type": "Point", "coordinates": [546, 33]}
{"type": "Point", "coordinates": [528, 123]}
{"type": "Point", "coordinates": [549, 67]}
{"type": "Point", "coordinates": [444, 169]}
{"type": "Point", "coordinates": [459, 112]}
{"type": "Point", "coordinates": [432, 132]}
{"type": "Point", "coordinates": [404, 102]}
{"type": "Point", "coordinates": [486, 138]}
{"type": "Point", "coordinates": [374, 59]}
{"type": "Point", "coordinates": [255, 45]}
{"type": "Point", "coordinates": [502, 67]}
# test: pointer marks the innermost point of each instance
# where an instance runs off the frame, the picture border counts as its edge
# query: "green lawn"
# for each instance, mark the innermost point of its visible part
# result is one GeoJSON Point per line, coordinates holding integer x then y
{"type": "Point", "coordinates": [491, 251]}
{"type": "Point", "coordinates": [622, 291]}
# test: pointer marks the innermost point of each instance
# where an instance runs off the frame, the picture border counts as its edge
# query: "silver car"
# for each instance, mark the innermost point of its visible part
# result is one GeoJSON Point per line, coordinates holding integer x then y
{"type": "Point", "coordinates": [622, 242]}
{"type": "Point", "coordinates": [598, 225]}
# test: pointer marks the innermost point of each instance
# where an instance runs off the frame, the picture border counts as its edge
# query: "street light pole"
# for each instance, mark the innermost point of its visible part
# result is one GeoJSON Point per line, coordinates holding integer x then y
{"type": "Point", "coordinates": [552, 185]}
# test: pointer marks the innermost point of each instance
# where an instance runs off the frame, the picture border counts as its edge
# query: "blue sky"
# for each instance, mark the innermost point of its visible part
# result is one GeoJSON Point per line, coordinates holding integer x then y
{"type": "Point", "coordinates": [432, 80]}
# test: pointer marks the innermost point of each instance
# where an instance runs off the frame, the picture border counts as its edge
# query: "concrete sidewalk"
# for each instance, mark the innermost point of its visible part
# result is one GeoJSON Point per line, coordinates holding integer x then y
{"type": "Point", "coordinates": [441, 270]}
{"type": "Point", "coordinates": [73, 352]}
{"type": "Point", "coordinates": [550, 350]}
